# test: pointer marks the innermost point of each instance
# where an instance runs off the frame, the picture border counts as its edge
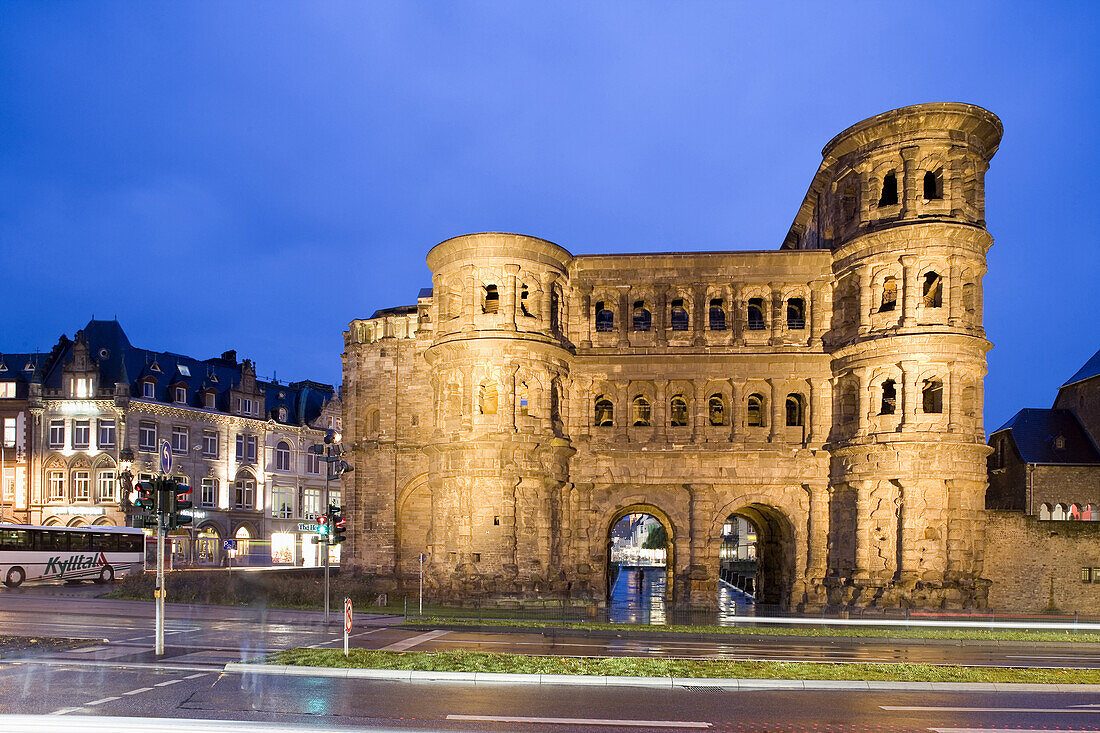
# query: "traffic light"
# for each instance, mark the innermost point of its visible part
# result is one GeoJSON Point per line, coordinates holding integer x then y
{"type": "Point", "coordinates": [339, 524]}
{"type": "Point", "coordinates": [323, 528]}
{"type": "Point", "coordinates": [146, 503]}
{"type": "Point", "coordinates": [179, 501]}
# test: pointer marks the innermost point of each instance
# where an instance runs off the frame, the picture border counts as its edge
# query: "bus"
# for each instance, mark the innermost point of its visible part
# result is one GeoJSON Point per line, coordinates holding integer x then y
{"type": "Point", "coordinates": [99, 554]}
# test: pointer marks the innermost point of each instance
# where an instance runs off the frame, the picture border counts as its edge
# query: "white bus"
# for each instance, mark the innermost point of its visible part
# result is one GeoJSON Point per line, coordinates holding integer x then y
{"type": "Point", "coordinates": [97, 553]}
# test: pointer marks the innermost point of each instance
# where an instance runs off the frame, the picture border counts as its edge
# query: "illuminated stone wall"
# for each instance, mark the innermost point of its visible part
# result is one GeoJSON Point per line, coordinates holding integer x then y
{"type": "Point", "coordinates": [829, 390]}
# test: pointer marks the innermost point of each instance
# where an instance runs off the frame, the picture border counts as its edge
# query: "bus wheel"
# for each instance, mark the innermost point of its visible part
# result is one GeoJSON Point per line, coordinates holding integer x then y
{"type": "Point", "coordinates": [106, 575]}
{"type": "Point", "coordinates": [15, 577]}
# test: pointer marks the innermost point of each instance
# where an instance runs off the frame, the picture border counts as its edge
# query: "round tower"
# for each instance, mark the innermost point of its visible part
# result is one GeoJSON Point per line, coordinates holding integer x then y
{"type": "Point", "coordinates": [902, 209]}
{"type": "Point", "coordinates": [498, 455]}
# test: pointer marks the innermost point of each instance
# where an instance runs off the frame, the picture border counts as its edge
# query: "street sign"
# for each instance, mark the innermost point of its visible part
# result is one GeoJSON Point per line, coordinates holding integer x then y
{"type": "Point", "coordinates": [165, 457]}
{"type": "Point", "coordinates": [423, 558]}
{"type": "Point", "coordinates": [229, 545]}
{"type": "Point", "coordinates": [347, 615]}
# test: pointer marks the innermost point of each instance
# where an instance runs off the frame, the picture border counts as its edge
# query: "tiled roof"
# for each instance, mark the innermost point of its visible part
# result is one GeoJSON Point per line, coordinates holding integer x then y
{"type": "Point", "coordinates": [1088, 371]}
{"type": "Point", "coordinates": [1034, 431]}
{"type": "Point", "coordinates": [401, 310]}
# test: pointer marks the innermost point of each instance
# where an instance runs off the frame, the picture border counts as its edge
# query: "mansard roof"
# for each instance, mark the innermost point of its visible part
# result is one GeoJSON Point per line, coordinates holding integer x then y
{"type": "Point", "coordinates": [1034, 431]}
{"type": "Point", "coordinates": [1088, 371]}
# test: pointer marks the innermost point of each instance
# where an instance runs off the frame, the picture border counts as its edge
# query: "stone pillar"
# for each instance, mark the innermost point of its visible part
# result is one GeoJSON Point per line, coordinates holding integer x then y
{"type": "Point", "coordinates": [813, 420]}
{"type": "Point", "coordinates": [511, 295]}
{"type": "Point", "coordinates": [545, 317]}
{"type": "Point", "coordinates": [624, 318]}
{"type": "Point", "coordinates": [699, 314]}
{"type": "Point", "coordinates": [586, 317]}
{"type": "Point", "coordinates": [909, 290]}
{"type": "Point", "coordinates": [817, 313]}
{"type": "Point", "coordinates": [863, 399]}
{"type": "Point", "coordinates": [622, 410]}
{"type": "Point", "coordinates": [510, 372]}
{"type": "Point", "coordinates": [471, 306]}
{"type": "Point", "coordinates": [698, 408]}
{"type": "Point", "coordinates": [661, 322]}
{"type": "Point", "coordinates": [737, 316]}
{"type": "Point", "coordinates": [863, 529]}
{"type": "Point", "coordinates": [777, 409]}
{"type": "Point", "coordinates": [817, 533]}
{"type": "Point", "coordinates": [953, 174]}
{"type": "Point", "coordinates": [908, 393]}
{"type": "Point", "coordinates": [909, 184]}
{"type": "Point", "coordinates": [736, 395]}
{"type": "Point", "coordinates": [439, 300]}
{"type": "Point", "coordinates": [979, 298]}
{"type": "Point", "coordinates": [863, 282]}
{"type": "Point", "coordinates": [954, 396]}
{"type": "Point", "coordinates": [979, 405]}
{"type": "Point", "coordinates": [661, 412]}
{"type": "Point", "coordinates": [776, 317]}
{"type": "Point", "coordinates": [953, 291]}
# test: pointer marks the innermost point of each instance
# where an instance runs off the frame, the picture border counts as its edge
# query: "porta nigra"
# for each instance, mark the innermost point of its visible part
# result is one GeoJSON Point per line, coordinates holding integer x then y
{"type": "Point", "coordinates": [829, 390]}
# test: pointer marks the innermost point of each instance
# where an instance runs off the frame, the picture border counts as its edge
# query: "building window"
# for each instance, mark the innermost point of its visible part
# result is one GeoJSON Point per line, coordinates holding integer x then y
{"type": "Point", "coordinates": [334, 498]}
{"type": "Point", "coordinates": [55, 480]}
{"type": "Point", "coordinates": [487, 399]}
{"type": "Point", "coordinates": [796, 314]}
{"type": "Point", "coordinates": [491, 301]}
{"type": "Point", "coordinates": [523, 397]}
{"type": "Point", "coordinates": [794, 410]}
{"type": "Point", "coordinates": [181, 395]}
{"type": "Point", "coordinates": [717, 315]}
{"type": "Point", "coordinates": [889, 195]}
{"type": "Point", "coordinates": [82, 486]}
{"type": "Point", "coordinates": [643, 321]}
{"type": "Point", "coordinates": [250, 448]}
{"type": "Point", "coordinates": [282, 456]}
{"type": "Point", "coordinates": [57, 434]}
{"type": "Point", "coordinates": [755, 411]}
{"type": "Point", "coordinates": [889, 398]}
{"type": "Point", "coordinates": [933, 290]}
{"type": "Point", "coordinates": [716, 408]}
{"type": "Point", "coordinates": [105, 486]}
{"type": "Point", "coordinates": [313, 462]}
{"type": "Point", "coordinates": [7, 390]}
{"type": "Point", "coordinates": [209, 443]}
{"type": "Point", "coordinates": [147, 435]}
{"type": "Point", "coordinates": [678, 411]}
{"type": "Point", "coordinates": [245, 406]}
{"type": "Point", "coordinates": [208, 492]}
{"type": "Point", "coordinates": [933, 184]}
{"type": "Point", "coordinates": [932, 397]}
{"type": "Point", "coordinates": [641, 416]}
{"type": "Point", "coordinates": [282, 502]}
{"type": "Point", "coordinates": [282, 414]}
{"type": "Point", "coordinates": [82, 387]}
{"type": "Point", "coordinates": [889, 294]}
{"type": "Point", "coordinates": [605, 318]}
{"type": "Point", "coordinates": [679, 316]}
{"type": "Point", "coordinates": [244, 493]}
{"type": "Point", "coordinates": [1086, 575]}
{"type": "Point", "coordinates": [524, 293]}
{"type": "Point", "coordinates": [82, 433]}
{"type": "Point", "coordinates": [106, 433]}
{"type": "Point", "coordinates": [180, 439]}
{"type": "Point", "coordinates": [148, 389]}
{"type": "Point", "coordinates": [311, 503]}
{"type": "Point", "coordinates": [605, 412]}
{"type": "Point", "coordinates": [756, 314]}
{"type": "Point", "coordinates": [209, 398]}
{"type": "Point", "coordinates": [9, 432]}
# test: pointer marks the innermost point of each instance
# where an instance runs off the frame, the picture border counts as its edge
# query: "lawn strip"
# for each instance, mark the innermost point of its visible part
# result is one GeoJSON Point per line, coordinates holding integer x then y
{"type": "Point", "coordinates": [9, 643]}
{"type": "Point", "coordinates": [462, 661]}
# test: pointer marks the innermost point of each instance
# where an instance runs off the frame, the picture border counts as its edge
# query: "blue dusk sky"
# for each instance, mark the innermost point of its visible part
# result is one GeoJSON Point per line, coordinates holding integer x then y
{"type": "Point", "coordinates": [254, 175]}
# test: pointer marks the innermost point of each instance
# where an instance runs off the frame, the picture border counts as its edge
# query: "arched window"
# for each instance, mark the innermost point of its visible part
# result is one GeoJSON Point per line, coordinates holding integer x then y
{"type": "Point", "coordinates": [555, 315]}
{"type": "Point", "coordinates": [524, 293]}
{"type": "Point", "coordinates": [794, 410]}
{"type": "Point", "coordinates": [933, 290]}
{"type": "Point", "coordinates": [716, 407]}
{"type": "Point", "coordinates": [968, 300]}
{"type": "Point", "coordinates": [1088, 514]}
{"type": "Point", "coordinates": [796, 314]}
{"type": "Point", "coordinates": [642, 318]}
{"type": "Point", "coordinates": [372, 422]}
{"type": "Point", "coordinates": [522, 397]}
{"type": "Point", "coordinates": [679, 315]}
{"type": "Point", "coordinates": [1045, 511]}
{"type": "Point", "coordinates": [605, 318]}
{"type": "Point", "coordinates": [678, 411]}
{"type": "Point", "coordinates": [849, 404]}
{"type": "Point", "coordinates": [605, 412]}
{"type": "Point", "coordinates": [756, 314]}
{"type": "Point", "coordinates": [492, 299]}
{"type": "Point", "coordinates": [717, 315]}
{"type": "Point", "coordinates": [755, 411]}
{"type": "Point", "coordinates": [282, 414]}
{"type": "Point", "coordinates": [933, 184]}
{"type": "Point", "coordinates": [555, 401]}
{"type": "Point", "coordinates": [1059, 513]}
{"type": "Point", "coordinates": [282, 456]}
{"type": "Point", "coordinates": [1074, 513]}
{"type": "Point", "coordinates": [641, 412]}
{"type": "Point", "coordinates": [242, 536]}
{"type": "Point", "coordinates": [889, 294]}
{"type": "Point", "coordinates": [932, 397]}
{"type": "Point", "coordinates": [487, 399]}
{"type": "Point", "coordinates": [889, 398]}
{"type": "Point", "coordinates": [889, 195]}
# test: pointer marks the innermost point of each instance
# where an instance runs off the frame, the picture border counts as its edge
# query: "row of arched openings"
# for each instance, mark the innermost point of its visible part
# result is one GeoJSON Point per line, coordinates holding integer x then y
{"type": "Point", "coordinates": [1069, 512]}
{"type": "Point", "coordinates": [717, 411]}
{"type": "Point", "coordinates": [679, 320]}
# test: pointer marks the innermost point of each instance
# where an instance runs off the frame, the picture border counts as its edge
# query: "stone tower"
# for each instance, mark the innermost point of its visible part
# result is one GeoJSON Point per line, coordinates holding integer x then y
{"type": "Point", "coordinates": [900, 202]}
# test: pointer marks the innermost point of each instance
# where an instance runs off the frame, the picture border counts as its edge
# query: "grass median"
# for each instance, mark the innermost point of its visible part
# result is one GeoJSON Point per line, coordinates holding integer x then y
{"type": "Point", "coordinates": [889, 632]}
{"type": "Point", "coordinates": [462, 661]}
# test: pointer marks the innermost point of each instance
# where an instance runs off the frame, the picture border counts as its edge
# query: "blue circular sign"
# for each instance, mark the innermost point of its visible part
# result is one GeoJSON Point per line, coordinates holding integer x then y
{"type": "Point", "coordinates": [165, 457]}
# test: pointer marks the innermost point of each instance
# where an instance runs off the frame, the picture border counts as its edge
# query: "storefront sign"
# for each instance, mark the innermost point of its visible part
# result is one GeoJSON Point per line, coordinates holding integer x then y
{"type": "Point", "coordinates": [87, 510]}
{"type": "Point", "coordinates": [307, 526]}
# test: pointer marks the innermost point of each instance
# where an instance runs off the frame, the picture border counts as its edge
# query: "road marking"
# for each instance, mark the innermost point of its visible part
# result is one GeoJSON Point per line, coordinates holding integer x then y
{"type": "Point", "coordinates": [169, 682]}
{"type": "Point", "coordinates": [949, 709]}
{"type": "Point", "coordinates": [100, 702]}
{"type": "Point", "coordinates": [400, 646]}
{"type": "Point", "coordinates": [581, 721]}
{"type": "Point", "coordinates": [64, 711]}
{"type": "Point", "coordinates": [138, 691]}
{"type": "Point", "coordinates": [195, 676]}
{"type": "Point", "coordinates": [365, 633]}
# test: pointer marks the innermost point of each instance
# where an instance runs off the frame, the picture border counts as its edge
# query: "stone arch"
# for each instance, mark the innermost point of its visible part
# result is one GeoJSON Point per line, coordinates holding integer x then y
{"type": "Point", "coordinates": [755, 297]}
{"type": "Point", "coordinates": [102, 522]}
{"type": "Point", "coordinates": [886, 289]}
{"type": "Point", "coordinates": [52, 522]}
{"type": "Point", "coordinates": [878, 195]}
{"type": "Point", "coordinates": [414, 524]}
{"type": "Point", "coordinates": [651, 509]}
{"type": "Point", "coordinates": [77, 522]}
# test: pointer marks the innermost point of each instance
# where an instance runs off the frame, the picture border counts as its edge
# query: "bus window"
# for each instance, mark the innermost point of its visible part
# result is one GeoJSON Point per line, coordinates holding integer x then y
{"type": "Point", "coordinates": [79, 541]}
{"type": "Point", "coordinates": [132, 543]}
{"type": "Point", "coordinates": [15, 539]}
{"type": "Point", "coordinates": [47, 541]}
{"type": "Point", "coordinates": [105, 542]}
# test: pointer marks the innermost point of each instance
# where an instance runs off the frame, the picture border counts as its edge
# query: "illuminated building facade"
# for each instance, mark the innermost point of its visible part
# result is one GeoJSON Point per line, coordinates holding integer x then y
{"type": "Point", "coordinates": [17, 372]}
{"type": "Point", "coordinates": [240, 442]}
{"type": "Point", "coordinates": [829, 391]}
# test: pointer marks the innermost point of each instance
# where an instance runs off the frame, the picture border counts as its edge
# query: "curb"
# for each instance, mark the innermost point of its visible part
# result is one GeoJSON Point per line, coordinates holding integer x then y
{"type": "Point", "coordinates": [665, 683]}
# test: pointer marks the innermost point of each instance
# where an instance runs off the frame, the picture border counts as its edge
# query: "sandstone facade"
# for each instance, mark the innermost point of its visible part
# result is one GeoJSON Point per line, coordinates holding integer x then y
{"type": "Point", "coordinates": [829, 391]}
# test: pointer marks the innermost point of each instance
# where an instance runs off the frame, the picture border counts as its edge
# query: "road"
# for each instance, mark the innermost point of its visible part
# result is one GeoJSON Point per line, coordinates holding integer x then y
{"type": "Point", "coordinates": [122, 678]}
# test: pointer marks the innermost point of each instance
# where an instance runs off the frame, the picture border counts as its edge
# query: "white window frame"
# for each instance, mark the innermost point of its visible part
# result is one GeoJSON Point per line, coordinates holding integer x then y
{"type": "Point", "coordinates": [82, 485]}
{"type": "Point", "coordinates": [146, 428]}
{"type": "Point", "coordinates": [149, 389]}
{"type": "Point", "coordinates": [208, 492]}
{"type": "Point", "coordinates": [282, 501]}
{"type": "Point", "coordinates": [244, 493]}
{"type": "Point", "coordinates": [250, 448]}
{"type": "Point", "coordinates": [313, 462]}
{"type": "Point", "coordinates": [106, 486]}
{"type": "Point", "coordinates": [282, 456]}
{"type": "Point", "coordinates": [7, 390]}
{"type": "Point", "coordinates": [209, 443]}
{"type": "Point", "coordinates": [209, 400]}
{"type": "Point", "coordinates": [181, 440]}
{"type": "Point", "coordinates": [8, 440]}
{"type": "Point", "coordinates": [181, 395]}
{"type": "Point", "coordinates": [57, 434]}
{"type": "Point", "coordinates": [82, 433]}
{"type": "Point", "coordinates": [106, 432]}
{"type": "Point", "coordinates": [55, 482]}
{"type": "Point", "coordinates": [311, 503]}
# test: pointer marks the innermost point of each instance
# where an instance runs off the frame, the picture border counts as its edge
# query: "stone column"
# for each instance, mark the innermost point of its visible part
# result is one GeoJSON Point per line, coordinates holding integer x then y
{"type": "Point", "coordinates": [624, 317]}
{"type": "Point", "coordinates": [777, 409]}
{"type": "Point", "coordinates": [511, 295]}
{"type": "Point", "coordinates": [510, 372]}
{"type": "Point", "coordinates": [953, 291]}
{"type": "Point", "coordinates": [813, 420]}
{"type": "Point", "coordinates": [545, 317]}
{"type": "Point", "coordinates": [908, 393]}
{"type": "Point", "coordinates": [586, 316]}
{"type": "Point", "coordinates": [909, 180]}
{"type": "Point", "coordinates": [863, 282]}
{"type": "Point", "coordinates": [468, 399]}
{"type": "Point", "coordinates": [698, 429]}
{"type": "Point", "coordinates": [979, 405]}
{"type": "Point", "coordinates": [660, 315]}
{"type": "Point", "coordinates": [817, 313]}
{"type": "Point", "coordinates": [776, 316]}
{"type": "Point", "coordinates": [622, 410]}
{"type": "Point", "coordinates": [439, 300]}
{"type": "Point", "coordinates": [909, 290]}
{"type": "Point", "coordinates": [979, 298]}
{"type": "Point", "coordinates": [953, 174]}
{"type": "Point", "coordinates": [471, 306]}
{"type": "Point", "coordinates": [736, 389]}
{"type": "Point", "coordinates": [661, 413]}
{"type": "Point", "coordinates": [737, 316]}
{"type": "Point", "coordinates": [817, 533]}
{"type": "Point", "coordinates": [862, 530]}
{"type": "Point", "coordinates": [954, 396]}
{"type": "Point", "coordinates": [699, 314]}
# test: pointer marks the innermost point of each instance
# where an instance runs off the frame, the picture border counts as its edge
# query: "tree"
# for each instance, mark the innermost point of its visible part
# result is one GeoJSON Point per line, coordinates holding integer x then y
{"type": "Point", "coordinates": [657, 539]}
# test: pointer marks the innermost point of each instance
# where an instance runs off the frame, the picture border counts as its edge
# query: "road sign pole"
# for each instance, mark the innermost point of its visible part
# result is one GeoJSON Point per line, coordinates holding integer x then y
{"type": "Point", "coordinates": [347, 623]}
{"type": "Point", "coordinates": [159, 649]}
{"type": "Point", "coordinates": [422, 585]}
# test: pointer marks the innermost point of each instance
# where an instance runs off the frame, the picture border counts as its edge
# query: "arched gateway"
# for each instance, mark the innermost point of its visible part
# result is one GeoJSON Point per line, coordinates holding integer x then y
{"type": "Point", "coordinates": [828, 393]}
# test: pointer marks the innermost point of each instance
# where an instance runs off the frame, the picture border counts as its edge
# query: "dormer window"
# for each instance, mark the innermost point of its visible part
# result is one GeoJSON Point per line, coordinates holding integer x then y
{"type": "Point", "coordinates": [181, 395]}
{"type": "Point", "coordinates": [282, 414]}
{"type": "Point", "coordinates": [1059, 442]}
{"type": "Point", "coordinates": [184, 370]}
{"type": "Point", "coordinates": [154, 367]}
{"type": "Point", "coordinates": [7, 390]}
{"type": "Point", "coordinates": [82, 387]}
{"type": "Point", "coordinates": [208, 399]}
{"type": "Point", "coordinates": [148, 389]}
{"type": "Point", "coordinates": [244, 406]}
{"type": "Point", "coordinates": [214, 378]}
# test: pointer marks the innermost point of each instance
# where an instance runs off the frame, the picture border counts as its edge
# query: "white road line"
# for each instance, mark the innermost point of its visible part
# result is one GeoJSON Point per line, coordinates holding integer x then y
{"type": "Point", "coordinates": [195, 676]}
{"type": "Point", "coordinates": [138, 691]}
{"type": "Point", "coordinates": [400, 646]}
{"type": "Point", "coordinates": [582, 721]}
{"type": "Point", "coordinates": [949, 709]}
{"type": "Point", "coordinates": [100, 702]}
{"type": "Point", "coordinates": [365, 633]}
{"type": "Point", "coordinates": [169, 682]}
{"type": "Point", "coordinates": [64, 711]}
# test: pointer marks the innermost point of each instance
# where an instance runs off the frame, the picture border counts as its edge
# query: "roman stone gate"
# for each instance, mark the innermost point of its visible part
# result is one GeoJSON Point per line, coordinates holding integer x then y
{"type": "Point", "coordinates": [828, 392]}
